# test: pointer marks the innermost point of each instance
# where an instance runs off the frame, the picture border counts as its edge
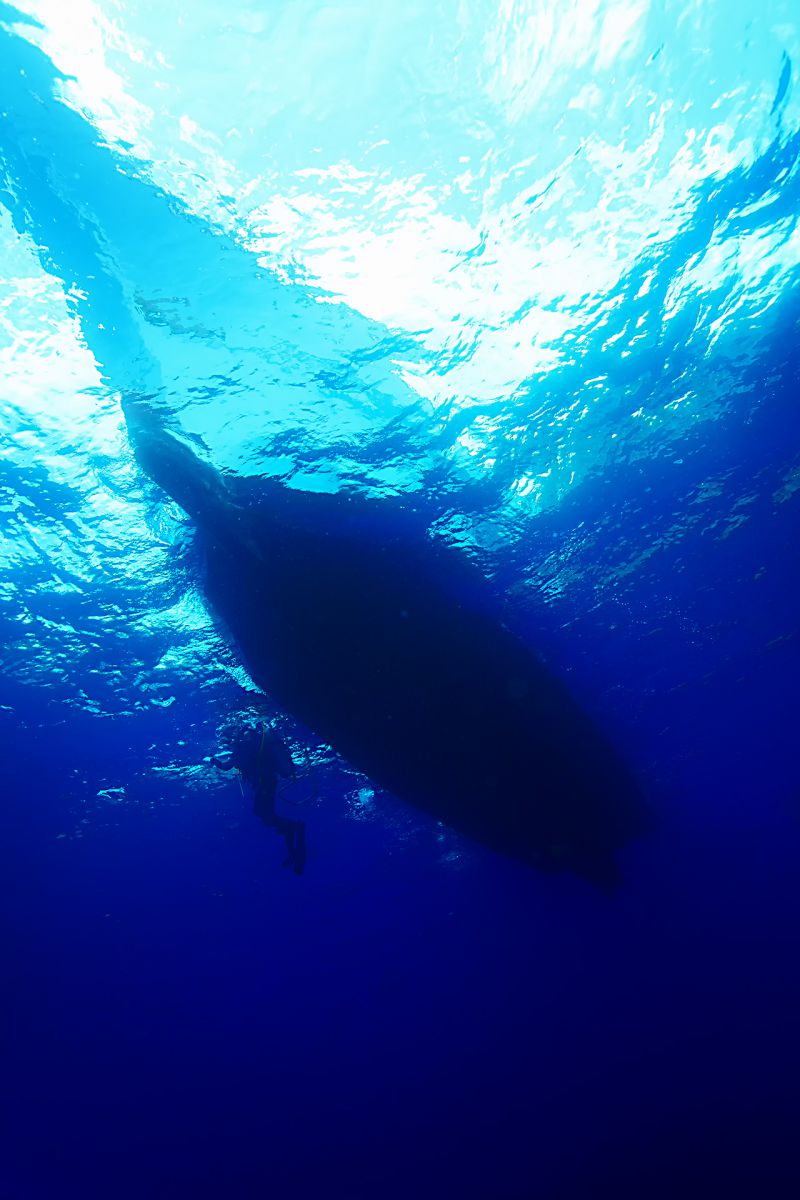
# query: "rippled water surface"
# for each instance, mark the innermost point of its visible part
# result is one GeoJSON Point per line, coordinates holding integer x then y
{"type": "Point", "coordinates": [533, 268]}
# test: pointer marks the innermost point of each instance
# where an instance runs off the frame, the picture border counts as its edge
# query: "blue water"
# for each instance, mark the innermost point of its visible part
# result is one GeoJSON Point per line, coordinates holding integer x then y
{"type": "Point", "coordinates": [534, 267]}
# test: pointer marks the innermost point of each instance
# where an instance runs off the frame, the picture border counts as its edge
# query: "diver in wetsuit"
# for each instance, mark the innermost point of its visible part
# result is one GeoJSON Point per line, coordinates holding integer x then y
{"type": "Point", "coordinates": [260, 756]}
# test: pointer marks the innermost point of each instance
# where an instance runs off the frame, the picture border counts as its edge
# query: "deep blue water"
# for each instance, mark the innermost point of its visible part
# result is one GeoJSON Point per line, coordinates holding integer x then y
{"type": "Point", "coordinates": [533, 267]}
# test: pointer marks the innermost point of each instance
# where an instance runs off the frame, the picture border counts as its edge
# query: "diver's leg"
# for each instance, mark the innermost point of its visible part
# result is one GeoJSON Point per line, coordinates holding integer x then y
{"type": "Point", "coordinates": [264, 805]}
{"type": "Point", "coordinates": [292, 832]}
{"type": "Point", "coordinates": [294, 835]}
{"type": "Point", "coordinates": [284, 828]}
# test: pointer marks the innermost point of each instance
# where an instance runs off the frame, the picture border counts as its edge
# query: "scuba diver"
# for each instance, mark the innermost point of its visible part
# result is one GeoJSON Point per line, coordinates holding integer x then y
{"type": "Point", "coordinates": [260, 756]}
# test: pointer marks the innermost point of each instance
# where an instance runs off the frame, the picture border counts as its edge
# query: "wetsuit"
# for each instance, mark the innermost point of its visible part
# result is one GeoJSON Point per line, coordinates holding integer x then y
{"type": "Point", "coordinates": [261, 757]}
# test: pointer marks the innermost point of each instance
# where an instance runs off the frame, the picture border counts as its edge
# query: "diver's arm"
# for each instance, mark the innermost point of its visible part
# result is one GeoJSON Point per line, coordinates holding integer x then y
{"type": "Point", "coordinates": [221, 763]}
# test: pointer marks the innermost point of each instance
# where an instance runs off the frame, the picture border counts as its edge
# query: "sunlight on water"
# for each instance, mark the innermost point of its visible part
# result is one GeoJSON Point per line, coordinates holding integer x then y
{"type": "Point", "coordinates": [343, 244]}
{"type": "Point", "coordinates": [484, 178]}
